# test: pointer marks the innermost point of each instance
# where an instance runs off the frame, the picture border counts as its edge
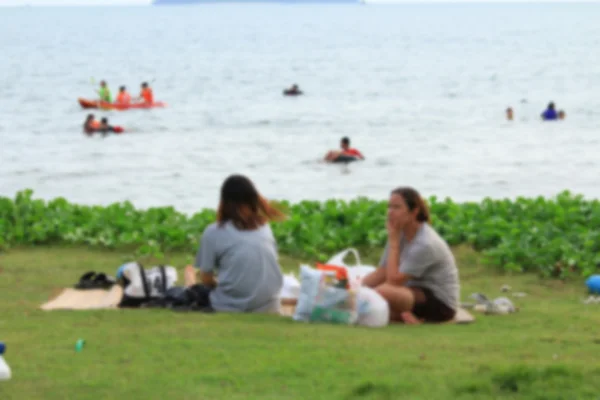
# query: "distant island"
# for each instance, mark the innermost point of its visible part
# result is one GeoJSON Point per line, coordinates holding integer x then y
{"type": "Point", "coordinates": [173, 2]}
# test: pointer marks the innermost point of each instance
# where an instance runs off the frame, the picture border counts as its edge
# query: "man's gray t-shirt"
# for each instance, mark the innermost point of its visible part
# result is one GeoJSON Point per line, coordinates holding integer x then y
{"type": "Point", "coordinates": [429, 260]}
{"type": "Point", "coordinates": [245, 264]}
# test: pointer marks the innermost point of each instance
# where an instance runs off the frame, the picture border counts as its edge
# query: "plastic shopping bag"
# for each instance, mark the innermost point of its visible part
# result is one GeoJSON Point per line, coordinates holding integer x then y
{"type": "Point", "coordinates": [291, 287]}
{"type": "Point", "coordinates": [356, 272]}
{"type": "Point", "coordinates": [373, 310]}
{"type": "Point", "coordinates": [309, 288]}
{"type": "Point", "coordinates": [333, 303]}
{"type": "Point", "coordinates": [321, 301]}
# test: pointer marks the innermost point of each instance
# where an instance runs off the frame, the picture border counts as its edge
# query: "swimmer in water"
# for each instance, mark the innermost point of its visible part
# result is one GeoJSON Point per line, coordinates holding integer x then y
{"type": "Point", "coordinates": [346, 150]}
{"type": "Point", "coordinates": [105, 128]}
{"type": "Point", "coordinates": [90, 126]}
{"type": "Point", "coordinates": [293, 91]}
{"type": "Point", "coordinates": [550, 113]}
{"type": "Point", "coordinates": [509, 114]}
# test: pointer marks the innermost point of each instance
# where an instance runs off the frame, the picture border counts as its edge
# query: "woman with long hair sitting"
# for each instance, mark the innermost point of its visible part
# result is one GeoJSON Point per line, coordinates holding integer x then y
{"type": "Point", "coordinates": [237, 258]}
{"type": "Point", "coordinates": [417, 274]}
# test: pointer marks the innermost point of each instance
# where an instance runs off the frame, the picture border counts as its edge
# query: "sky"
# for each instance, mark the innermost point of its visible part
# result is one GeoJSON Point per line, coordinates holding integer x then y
{"type": "Point", "coordinates": [72, 2]}
{"type": "Point", "coordinates": [145, 2]}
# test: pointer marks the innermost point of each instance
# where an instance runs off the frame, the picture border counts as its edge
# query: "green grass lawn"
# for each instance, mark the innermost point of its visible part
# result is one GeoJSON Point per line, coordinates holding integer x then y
{"type": "Point", "coordinates": [548, 350]}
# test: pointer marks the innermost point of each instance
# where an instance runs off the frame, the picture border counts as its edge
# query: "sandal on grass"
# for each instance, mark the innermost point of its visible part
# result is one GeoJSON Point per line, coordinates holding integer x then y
{"type": "Point", "coordinates": [93, 280]}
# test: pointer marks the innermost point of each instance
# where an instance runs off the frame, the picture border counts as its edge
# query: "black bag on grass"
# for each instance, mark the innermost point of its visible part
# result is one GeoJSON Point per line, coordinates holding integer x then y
{"type": "Point", "coordinates": [142, 286]}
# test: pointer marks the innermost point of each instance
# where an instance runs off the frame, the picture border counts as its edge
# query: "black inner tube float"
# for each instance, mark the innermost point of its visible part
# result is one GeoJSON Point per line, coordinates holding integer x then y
{"type": "Point", "coordinates": [343, 158]}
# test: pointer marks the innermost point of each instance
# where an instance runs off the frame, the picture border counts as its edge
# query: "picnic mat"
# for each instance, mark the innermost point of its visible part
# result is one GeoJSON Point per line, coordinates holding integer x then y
{"type": "Point", "coordinates": [95, 299]}
{"type": "Point", "coordinates": [88, 299]}
{"type": "Point", "coordinates": [462, 316]}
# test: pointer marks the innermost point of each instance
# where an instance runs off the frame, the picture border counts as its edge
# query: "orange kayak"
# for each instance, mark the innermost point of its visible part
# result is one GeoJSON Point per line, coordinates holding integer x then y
{"type": "Point", "coordinates": [84, 103]}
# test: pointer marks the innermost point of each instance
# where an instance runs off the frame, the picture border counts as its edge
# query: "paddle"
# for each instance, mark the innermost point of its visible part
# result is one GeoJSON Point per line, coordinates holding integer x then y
{"type": "Point", "coordinates": [93, 82]}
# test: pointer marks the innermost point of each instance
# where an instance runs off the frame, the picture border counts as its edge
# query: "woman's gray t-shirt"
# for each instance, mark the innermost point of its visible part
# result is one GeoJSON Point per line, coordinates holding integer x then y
{"type": "Point", "coordinates": [430, 261]}
{"type": "Point", "coordinates": [246, 266]}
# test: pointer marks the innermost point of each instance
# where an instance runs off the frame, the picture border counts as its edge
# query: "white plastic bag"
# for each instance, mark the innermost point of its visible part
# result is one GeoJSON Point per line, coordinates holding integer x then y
{"type": "Point", "coordinates": [356, 272]}
{"type": "Point", "coordinates": [373, 309]}
{"type": "Point", "coordinates": [334, 305]}
{"type": "Point", "coordinates": [291, 287]}
{"type": "Point", "coordinates": [318, 301]}
{"type": "Point", "coordinates": [309, 289]}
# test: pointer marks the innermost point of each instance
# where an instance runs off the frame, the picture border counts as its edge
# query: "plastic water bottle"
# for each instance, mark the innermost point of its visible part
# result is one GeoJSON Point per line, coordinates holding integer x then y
{"type": "Point", "coordinates": [4, 368]}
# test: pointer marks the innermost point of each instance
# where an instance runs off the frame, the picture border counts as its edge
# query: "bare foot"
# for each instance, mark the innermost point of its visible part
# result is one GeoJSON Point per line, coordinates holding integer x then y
{"type": "Point", "coordinates": [189, 276]}
{"type": "Point", "coordinates": [410, 319]}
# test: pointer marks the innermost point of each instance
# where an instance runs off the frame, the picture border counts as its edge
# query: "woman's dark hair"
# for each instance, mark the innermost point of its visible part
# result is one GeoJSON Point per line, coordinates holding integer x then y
{"type": "Point", "coordinates": [243, 205]}
{"type": "Point", "coordinates": [413, 200]}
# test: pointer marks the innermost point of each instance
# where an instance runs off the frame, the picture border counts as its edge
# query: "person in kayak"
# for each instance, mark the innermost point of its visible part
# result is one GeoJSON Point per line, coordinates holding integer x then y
{"type": "Point", "coordinates": [146, 95]}
{"type": "Point", "coordinates": [104, 92]}
{"type": "Point", "coordinates": [123, 98]}
{"type": "Point", "coordinates": [346, 152]}
{"type": "Point", "coordinates": [293, 91]}
{"type": "Point", "coordinates": [550, 113]}
{"type": "Point", "coordinates": [90, 126]}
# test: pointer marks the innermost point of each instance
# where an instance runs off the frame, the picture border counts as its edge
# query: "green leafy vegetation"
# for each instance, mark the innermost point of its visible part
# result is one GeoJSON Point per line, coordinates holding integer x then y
{"type": "Point", "coordinates": [558, 237]}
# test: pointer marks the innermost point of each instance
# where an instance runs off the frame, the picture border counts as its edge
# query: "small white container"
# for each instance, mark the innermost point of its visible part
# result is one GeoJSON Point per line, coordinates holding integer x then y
{"type": "Point", "coordinates": [4, 368]}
